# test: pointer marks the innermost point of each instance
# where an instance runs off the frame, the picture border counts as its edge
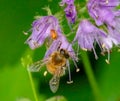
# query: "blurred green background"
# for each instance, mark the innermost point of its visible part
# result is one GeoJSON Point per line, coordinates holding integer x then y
{"type": "Point", "coordinates": [16, 16]}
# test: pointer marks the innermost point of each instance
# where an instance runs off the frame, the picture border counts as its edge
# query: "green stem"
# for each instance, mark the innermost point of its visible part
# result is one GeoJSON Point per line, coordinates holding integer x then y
{"type": "Point", "coordinates": [90, 75]}
{"type": "Point", "coordinates": [32, 85]}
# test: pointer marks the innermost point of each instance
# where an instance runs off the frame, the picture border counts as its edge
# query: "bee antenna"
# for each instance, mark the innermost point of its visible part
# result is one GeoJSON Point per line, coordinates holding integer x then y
{"type": "Point", "coordinates": [59, 45]}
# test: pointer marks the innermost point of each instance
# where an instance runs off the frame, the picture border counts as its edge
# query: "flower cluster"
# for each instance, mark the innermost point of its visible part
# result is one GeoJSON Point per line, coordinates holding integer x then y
{"type": "Point", "coordinates": [47, 30]}
{"type": "Point", "coordinates": [87, 34]}
{"type": "Point", "coordinates": [105, 32]}
{"type": "Point", "coordinates": [70, 10]}
{"type": "Point", "coordinates": [104, 12]}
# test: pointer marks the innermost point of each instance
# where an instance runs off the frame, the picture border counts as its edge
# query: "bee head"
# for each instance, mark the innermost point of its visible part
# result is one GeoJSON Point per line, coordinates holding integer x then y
{"type": "Point", "coordinates": [64, 53]}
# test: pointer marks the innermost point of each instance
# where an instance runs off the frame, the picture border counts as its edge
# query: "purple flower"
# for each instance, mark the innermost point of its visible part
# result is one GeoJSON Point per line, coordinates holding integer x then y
{"type": "Point", "coordinates": [42, 29]}
{"type": "Point", "coordinates": [100, 16]}
{"type": "Point", "coordinates": [113, 38]}
{"type": "Point", "coordinates": [71, 13]}
{"type": "Point", "coordinates": [102, 11]}
{"type": "Point", "coordinates": [92, 4]}
{"type": "Point", "coordinates": [70, 10]}
{"type": "Point", "coordinates": [116, 21]}
{"type": "Point", "coordinates": [87, 34]}
{"type": "Point", "coordinates": [108, 3]}
{"type": "Point", "coordinates": [68, 2]}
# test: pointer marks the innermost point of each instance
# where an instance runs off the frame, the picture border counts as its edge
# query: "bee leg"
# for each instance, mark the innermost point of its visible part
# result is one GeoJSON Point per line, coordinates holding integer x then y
{"type": "Point", "coordinates": [59, 45]}
{"type": "Point", "coordinates": [68, 66]}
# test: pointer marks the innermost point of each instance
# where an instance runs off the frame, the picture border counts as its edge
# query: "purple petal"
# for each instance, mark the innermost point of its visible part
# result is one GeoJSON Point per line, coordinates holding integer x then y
{"type": "Point", "coordinates": [41, 29]}
{"type": "Point", "coordinates": [71, 13]}
{"type": "Point", "coordinates": [87, 34]}
{"type": "Point", "coordinates": [102, 10]}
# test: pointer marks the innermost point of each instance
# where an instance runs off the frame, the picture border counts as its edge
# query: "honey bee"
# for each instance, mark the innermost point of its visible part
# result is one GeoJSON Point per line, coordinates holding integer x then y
{"type": "Point", "coordinates": [56, 65]}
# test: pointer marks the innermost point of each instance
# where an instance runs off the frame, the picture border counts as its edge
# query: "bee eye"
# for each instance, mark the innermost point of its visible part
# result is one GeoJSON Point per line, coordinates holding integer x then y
{"type": "Point", "coordinates": [62, 51]}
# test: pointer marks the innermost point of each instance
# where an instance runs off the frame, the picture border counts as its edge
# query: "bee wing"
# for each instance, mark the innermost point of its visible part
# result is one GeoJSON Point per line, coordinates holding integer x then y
{"type": "Point", "coordinates": [54, 83]}
{"type": "Point", "coordinates": [35, 67]}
